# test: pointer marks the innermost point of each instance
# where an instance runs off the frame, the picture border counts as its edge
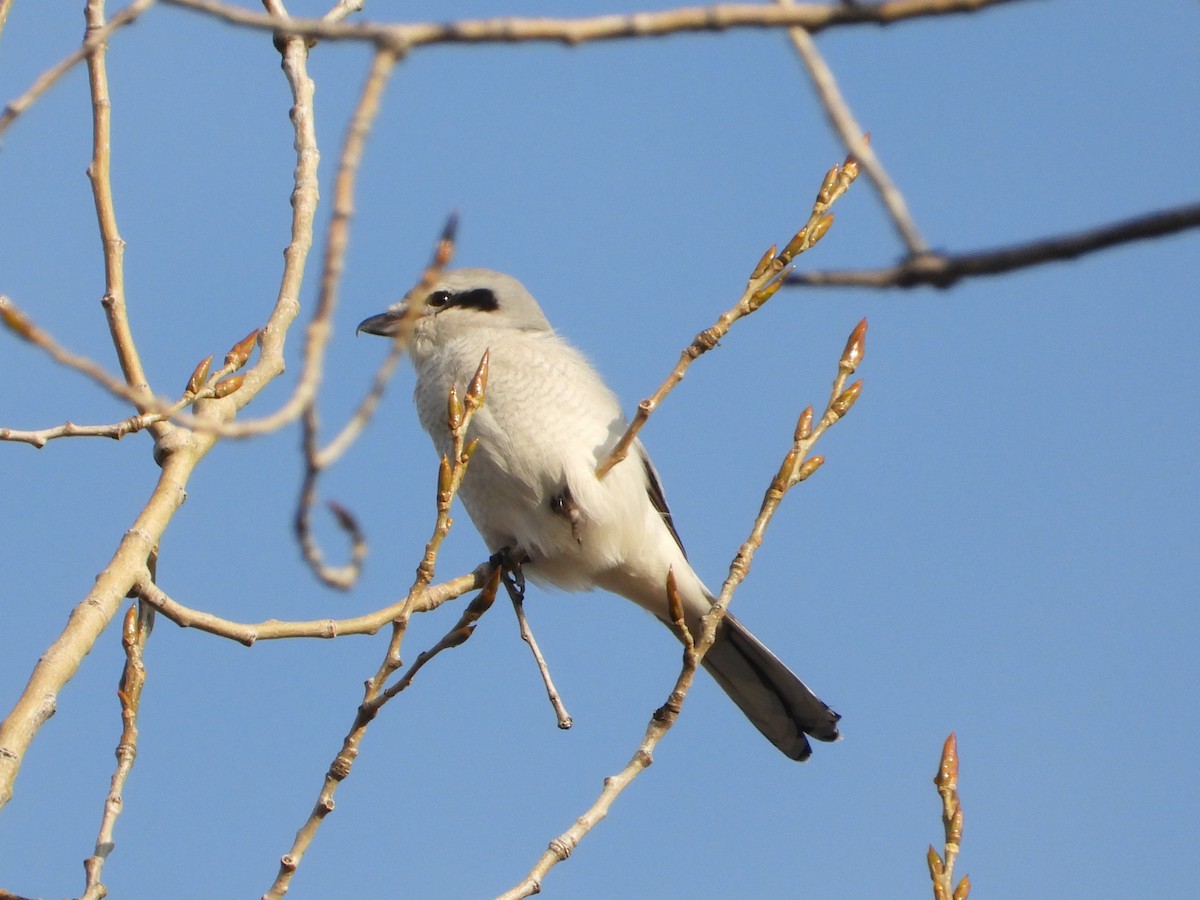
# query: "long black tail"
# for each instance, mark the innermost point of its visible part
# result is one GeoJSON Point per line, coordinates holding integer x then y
{"type": "Point", "coordinates": [778, 703]}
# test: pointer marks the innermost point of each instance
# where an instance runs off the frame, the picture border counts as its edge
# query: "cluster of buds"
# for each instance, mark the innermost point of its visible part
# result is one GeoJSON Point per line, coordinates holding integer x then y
{"type": "Point", "coordinates": [773, 263]}
{"type": "Point", "coordinates": [236, 358]}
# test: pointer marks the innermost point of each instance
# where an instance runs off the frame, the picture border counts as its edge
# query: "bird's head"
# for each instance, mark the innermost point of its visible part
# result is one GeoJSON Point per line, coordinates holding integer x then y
{"type": "Point", "coordinates": [458, 303]}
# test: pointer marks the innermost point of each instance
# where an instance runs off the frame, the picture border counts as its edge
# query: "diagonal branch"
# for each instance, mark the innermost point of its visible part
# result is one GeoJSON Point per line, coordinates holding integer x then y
{"type": "Point", "coordinates": [853, 138]}
{"type": "Point", "coordinates": [943, 270]}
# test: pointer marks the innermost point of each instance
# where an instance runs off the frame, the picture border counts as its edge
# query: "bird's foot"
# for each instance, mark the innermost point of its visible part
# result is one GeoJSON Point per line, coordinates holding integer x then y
{"type": "Point", "coordinates": [511, 562]}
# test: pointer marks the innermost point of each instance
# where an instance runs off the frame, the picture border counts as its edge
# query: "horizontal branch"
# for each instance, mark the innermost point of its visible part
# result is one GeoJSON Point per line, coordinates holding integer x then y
{"type": "Point", "coordinates": [39, 438]}
{"type": "Point", "coordinates": [812, 17]}
{"type": "Point", "coordinates": [426, 599]}
{"type": "Point", "coordinates": [944, 270]}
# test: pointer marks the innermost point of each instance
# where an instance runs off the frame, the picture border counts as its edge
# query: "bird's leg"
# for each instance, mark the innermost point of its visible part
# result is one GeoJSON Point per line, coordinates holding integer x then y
{"type": "Point", "coordinates": [510, 562]}
{"type": "Point", "coordinates": [563, 504]}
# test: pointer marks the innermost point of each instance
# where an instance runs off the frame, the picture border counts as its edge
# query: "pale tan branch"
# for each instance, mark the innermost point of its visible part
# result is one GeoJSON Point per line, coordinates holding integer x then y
{"type": "Point", "coordinates": [460, 409]}
{"type": "Point", "coordinates": [20, 324]}
{"type": "Point", "coordinates": [61, 660]}
{"type": "Point", "coordinates": [275, 629]}
{"type": "Point", "coordinates": [796, 467]}
{"type": "Point", "coordinates": [178, 458]}
{"type": "Point", "coordinates": [455, 637]}
{"type": "Point", "coordinates": [320, 328]}
{"type": "Point", "coordinates": [343, 9]}
{"type": "Point", "coordinates": [943, 270]}
{"type": "Point", "coordinates": [51, 76]}
{"type": "Point", "coordinates": [560, 710]}
{"type": "Point", "coordinates": [768, 276]}
{"type": "Point", "coordinates": [113, 246]}
{"type": "Point", "coordinates": [373, 700]}
{"type": "Point", "coordinates": [317, 459]}
{"type": "Point", "coordinates": [40, 437]}
{"type": "Point", "coordinates": [852, 135]}
{"type": "Point", "coordinates": [332, 452]}
{"type": "Point", "coordinates": [5, 6]}
{"type": "Point", "coordinates": [139, 622]}
{"type": "Point", "coordinates": [720, 17]}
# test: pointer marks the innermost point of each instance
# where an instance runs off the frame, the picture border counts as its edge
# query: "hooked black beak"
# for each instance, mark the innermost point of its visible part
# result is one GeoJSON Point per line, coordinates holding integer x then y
{"type": "Point", "coordinates": [386, 324]}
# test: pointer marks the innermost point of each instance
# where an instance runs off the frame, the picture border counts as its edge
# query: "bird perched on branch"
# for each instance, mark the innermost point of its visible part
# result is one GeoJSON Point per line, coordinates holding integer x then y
{"type": "Point", "coordinates": [531, 487]}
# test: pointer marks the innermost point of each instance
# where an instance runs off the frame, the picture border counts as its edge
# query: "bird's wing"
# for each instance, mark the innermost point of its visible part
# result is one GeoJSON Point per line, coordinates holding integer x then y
{"type": "Point", "coordinates": [657, 498]}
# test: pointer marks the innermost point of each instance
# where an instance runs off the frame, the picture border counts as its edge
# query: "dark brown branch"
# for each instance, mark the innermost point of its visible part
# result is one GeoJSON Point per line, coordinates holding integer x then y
{"type": "Point", "coordinates": [944, 270]}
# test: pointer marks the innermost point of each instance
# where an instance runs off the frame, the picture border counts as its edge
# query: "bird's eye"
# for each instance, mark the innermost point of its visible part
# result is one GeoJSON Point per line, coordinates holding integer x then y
{"type": "Point", "coordinates": [438, 299]}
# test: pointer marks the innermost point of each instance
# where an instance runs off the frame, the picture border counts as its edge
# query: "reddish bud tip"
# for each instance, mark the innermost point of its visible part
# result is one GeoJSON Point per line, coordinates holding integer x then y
{"type": "Point", "coordinates": [199, 375]}
{"type": "Point", "coordinates": [804, 425]}
{"type": "Point", "coordinates": [948, 769]}
{"type": "Point", "coordinates": [15, 321]}
{"type": "Point", "coordinates": [478, 385]}
{"type": "Point", "coordinates": [240, 352]}
{"type": "Point", "coordinates": [855, 347]}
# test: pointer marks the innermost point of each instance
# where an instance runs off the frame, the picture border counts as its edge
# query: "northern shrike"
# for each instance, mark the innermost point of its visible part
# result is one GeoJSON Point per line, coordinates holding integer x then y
{"type": "Point", "coordinates": [546, 423]}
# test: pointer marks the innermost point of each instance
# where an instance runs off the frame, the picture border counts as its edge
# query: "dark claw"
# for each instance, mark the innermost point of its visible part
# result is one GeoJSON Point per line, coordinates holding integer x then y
{"type": "Point", "coordinates": [510, 564]}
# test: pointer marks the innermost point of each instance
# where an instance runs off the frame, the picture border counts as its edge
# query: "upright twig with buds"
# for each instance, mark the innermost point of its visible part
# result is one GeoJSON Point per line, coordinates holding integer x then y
{"type": "Point", "coordinates": [796, 467]}
{"type": "Point", "coordinates": [767, 278]}
{"type": "Point", "coordinates": [459, 412]}
{"type": "Point", "coordinates": [941, 869]}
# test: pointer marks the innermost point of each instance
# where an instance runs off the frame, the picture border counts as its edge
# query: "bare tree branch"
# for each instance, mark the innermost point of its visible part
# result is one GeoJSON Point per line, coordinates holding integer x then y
{"type": "Point", "coordinates": [99, 174]}
{"type": "Point", "coordinates": [460, 409]}
{"type": "Point", "coordinates": [796, 467]}
{"type": "Point", "coordinates": [325, 629]}
{"type": "Point", "coordinates": [139, 622]}
{"type": "Point", "coordinates": [812, 17]}
{"type": "Point", "coordinates": [853, 137]}
{"type": "Point", "coordinates": [944, 270]}
{"type": "Point", "coordinates": [764, 281]}
{"type": "Point", "coordinates": [50, 77]}
{"type": "Point", "coordinates": [40, 437]}
{"type": "Point", "coordinates": [317, 459]}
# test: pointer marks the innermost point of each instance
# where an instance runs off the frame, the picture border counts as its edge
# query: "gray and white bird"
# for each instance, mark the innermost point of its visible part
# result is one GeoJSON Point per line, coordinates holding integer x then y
{"type": "Point", "coordinates": [547, 421]}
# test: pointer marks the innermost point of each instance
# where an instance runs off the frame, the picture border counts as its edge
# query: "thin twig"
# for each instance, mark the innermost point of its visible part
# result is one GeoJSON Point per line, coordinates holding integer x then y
{"type": "Point", "coordinates": [796, 467]}
{"type": "Point", "coordinates": [851, 133]}
{"type": "Point", "coordinates": [342, 577]}
{"type": "Point", "coordinates": [51, 76]}
{"type": "Point", "coordinates": [5, 6]}
{"type": "Point", "coordinates": [99, 174]}
{"type": "Point", "coordinates": [456, 636]}
{"type": "Point", "coordinates": [941, 869]}
{"type": "Point", "coordinates": [459, 412]}
{"type": "Point", "coordinates": [139, 622]}
{"type": "Point", "coordinates": [61, 660]}
{"type": "Point", "coordinates": [317, 459]}
{"type": "Point", "coordinates": [768, 276]}
{"type": "Point", "coordinates": [40, 437]}
{"type": "Point", "coordinates": [943, 270]}
{"type": "Point", "coordinates": [560, 710]}
{"type": "Point", "coordinates": [19, 323]}
{"type": "Point", "coordinates": [248, 633]}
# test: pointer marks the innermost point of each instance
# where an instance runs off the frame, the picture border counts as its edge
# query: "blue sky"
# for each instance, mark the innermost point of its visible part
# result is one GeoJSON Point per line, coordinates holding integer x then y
{"type": "Point", "coordinates": [1003, 541]}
